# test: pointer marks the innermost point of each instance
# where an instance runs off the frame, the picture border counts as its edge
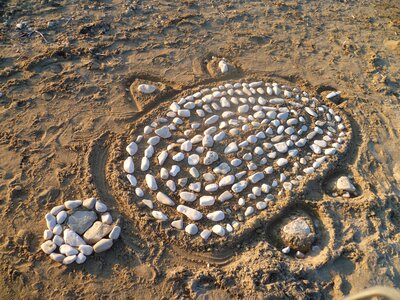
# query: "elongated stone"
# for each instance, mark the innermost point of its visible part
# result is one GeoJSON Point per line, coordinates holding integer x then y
{"type": "Point", "coordinates": [191, 213]}
{"type": "Point", "coordinates": [164, 199]}
{"type": "Point", "coordinates": [151, 182]}
{"type": "Point", "coordinates": [216, 216]}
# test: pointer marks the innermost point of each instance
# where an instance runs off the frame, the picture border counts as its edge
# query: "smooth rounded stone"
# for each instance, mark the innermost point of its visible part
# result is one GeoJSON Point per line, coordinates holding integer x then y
{"type": "Point", "coordinates": [103, 245]}
{"type": "Point", "coordinates": [207, 141]}
{"type": "Point", "coordinates": [151, 182]}
{"type": "Point", "coordinates": [281, 147]}
{"type": "Point", "coordinates": [56, 209]}
{"type": "Point", "coordinates": [89, 203]}
{"type": "Point", "coordinates": [154, 140]}
{"type": "Point", "coordinates": [48, 247]}
{"type": "Point", "coordinates": [243, 109]}
{"type": "Point", "coordinates": [231, 148]}
{"type": "Point", "coordinates": [205, 234]}
{"type": "Point", "coordinates": [316, 149]}
{"type": "Point", "coordinates": [178, 224]}
{"type": "Point", "coordinates": [241, 202]}
{"type": "Point", "coordinates": [197, 139]}
{"type": "Point", "coordinates": [239, 187]}
{"type": "Point", "coordinates": [261, 205]}
{"type": "Point", "coordinates": [164, 174]}
{"type": "Point", "coordinates": [106, 218]}
{"type": "Point", "coordinates": [175, 169]}
{"type": "Point", "coordinates": [320, 143]}
{"type": "Point", "coordinates": [309, 170]}
{"type": "Point", "coordinates": [51, 221]}
{"type": "Point", "coordinates": [189, 212]}
{"type": "Point", "coordinates": [282, 162]}
{"type": "Point", "coordinates": [148, 203]}
{"type": "Point", "coordinates": [222, 168]}
{"type": "Point", "coordinates": [287, 186]}
{"type": "Point", "coordinates": [85, 249]}
{"type": "Point", "coordinates": [182, 181]}
{"type": "Point", "coordinates": [210, 158]}
{"type": "Point", "coordinates": [216, 216]}
{"type": "Point", "coordinates": [146, 88]}
{"type": "Point", "coordinates": [192, 229]}
{"type": "Point", "coordinates": [207, 200]}
{"type": "Point", "coordinates": [223, 66]}
{"type": "Point", "coordinates": [61, 217]}
{"type": "Point", "coordinates": [100, 207]}
{"type": "Point", "coordinates": [194, 172]}
{"type": "Point", "coordinates": [252, 139]}
{"type": "Point", "coordinates": [187, 146]}
{"type": "Point", "coordinates": [96, 232]}
{"type": "Point", "coordinates": [286, 250]}
{"type": "Point", "coordinates": [171, 185]}
{"type": "Point", "coordinates": [72, 204]}
{"type": "Point", "coordinates": [247, 156]}
{"type": "Point", "coordinates": [252, 166]}
{"type": "Point", "coordinates": [47, 234]}
{"type": "Point", "coordinates": [147, 130]}
{"type": "Point", "coordinates": [193, 159]}
{"type": "Point", "coordinates": [164, 199]}
{"type": "Point", "coordinates": [258, 151]}
{"type": "Point", "coordinates": [344, 184]}
{"type": "Point", "coordinates": [129, 166]}
{"type": "Point", "coordinates": [236, 162]}
{"type": "Point", "coordinates": [184, 113]}
{"type": "Point", "coordinates": [162, 157]}
{"type": "Point", "coordinates": [211, 187]}
{"type": "Point", "coordinates": [249, 211]}
{"type": "Point", "coordinates": [68, 250]}
{"type": "Point", "coordinates": [132, 148]}
{"type": "Point", "coordinates": [187, 196]}
{"type": "Point", "coordinates": [209, 177]}
{"type": "Point", "coordinates": [227, 180]}
{"type": "Point", "coordinates": [139, 192]}
{"type": "Point", "coordinates": [159, 215]}
{"type": "Point", "coordinates": [298, 234]}
{"type": "Point", "coordinates": [132, 179]}
{"type": "Point", "coordinates": [256, 177]}
{"type": "Point", "coordinates": [311, 112]}
{"type": "Point", "coordinates": [219, 136]}
{"type": "Point", "coordinates": [80, 258]}
{"type": "Point", "coordinates": [145, 163]}
{"type": "Point", "coordinates": [211, 120]}
{"type": "Point", "coordinates": [57, 257]}
{"type": "Point", "coordinates": [218, 230]}
{"type": "Point", "coordinates": [225, 196]}
{"type": "Point", "coordinates": [69, 260]}
{"type": "Point", "coordinates": [178, 156]}
{"type": "Point", "coordinates": [72, 238]}
{"type": "Point", "coordinates": [149, 151]}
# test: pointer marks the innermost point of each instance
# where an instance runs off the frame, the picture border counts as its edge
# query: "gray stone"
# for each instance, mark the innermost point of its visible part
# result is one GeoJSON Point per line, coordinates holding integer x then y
{"type": "Point", "coordinates": [96, 232]}
{"type": "Point", "coordinates": [80, 220]}
{"type": "Point", "coordinates": [298, 234]}
{"type": "Point", "coordinates": [103, 245]}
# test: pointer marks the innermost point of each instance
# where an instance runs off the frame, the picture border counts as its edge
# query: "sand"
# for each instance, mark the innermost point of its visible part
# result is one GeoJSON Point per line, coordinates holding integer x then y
{"type": "Point", "coordinates": [67, 109]}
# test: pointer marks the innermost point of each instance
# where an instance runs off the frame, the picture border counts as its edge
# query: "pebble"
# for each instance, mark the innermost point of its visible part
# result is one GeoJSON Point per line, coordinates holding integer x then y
{"type": "Point", "coordinates": [68, 250]}
{"type": "Point", "coordinates": [103, 245]}
{"type": "Point", "coordinates": [48, 247]}
{"type": "Point", "coordinates": [207, 200]}
{"type": "Point", "coordinates": [72, 238]}
{"type": "Point", "coordinates": [69, 260]}
{"type": "Point", "coordinates": [187, 196]}
{"type": "Point", "coordinates": [96, 232]}
{"type": "Point", "coordinates": [164, 199]}
{"type": "Point", "coordinates": [57, 257]}
{"type": "Point", "coordinates": [219, 230]}
{"type": "Point", "coordinates": [100, 206]}
{"type": "Point", "coordinates": [192, 229]}
{"type": "Point", "coordinates": [216, 216]}
{"type": "Point", "coordinates": [72, 204]}
{"type": "Point", "coordinates": [344, 184]}
{"type": "Point", "coordinates": [205, 234]}
{"type": "Point", "coordinates": [151, 182]}
{"type": "Point", "coordinates": [239, 187]}
{"type": "Point", "coordinates": [225, 196]}
{"type": "Point", "coordinates": [191, 213]}
{"type": "Point", "coordinates": [146, 88]}
{"type": "Point", "coordinates": [129, 166]}
{"type": "Point", "coordinates": [89, 203]}
{"type": "Point", "coordinates": [50, 221]}
{"type": "Point", "coordinates": [210, 158]}
{"type": "Point", "coordinates": [56, 209]}
{"type": "Point", "coordinates": [159, 215]}
{"type": "Point", "coordinates": [249, 211]}
{"type": "Point", "coordinates": [86, 249]}
{"type": "Point", "coordinates": [227, 180]}
{"type": "Point", "coordinates": [132, 148]}
{"type": "Point", "coordinates": [80, 258]}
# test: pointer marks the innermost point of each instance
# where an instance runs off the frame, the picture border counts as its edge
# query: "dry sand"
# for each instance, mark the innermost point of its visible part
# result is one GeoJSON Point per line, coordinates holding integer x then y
{"type": "Point", "coordinates": [67, 110]}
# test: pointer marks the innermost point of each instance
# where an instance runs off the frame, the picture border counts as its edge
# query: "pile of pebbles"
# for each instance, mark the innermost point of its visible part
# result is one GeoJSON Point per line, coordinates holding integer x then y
{"type": "Point", "coordinates": [221, 155]}
{"type": "Point", "coordinates": [78, 228]}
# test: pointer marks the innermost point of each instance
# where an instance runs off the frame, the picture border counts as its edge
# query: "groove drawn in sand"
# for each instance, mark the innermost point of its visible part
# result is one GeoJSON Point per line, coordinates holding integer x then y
{"type": "Point", "coordinates": [222, 158]}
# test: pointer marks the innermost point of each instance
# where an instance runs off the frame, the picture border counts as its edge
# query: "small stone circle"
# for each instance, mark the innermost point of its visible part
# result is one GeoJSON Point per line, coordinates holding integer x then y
{"type": "Point", "coordinates": [220, 156]}
{"type": "Point", "coordinates": [78, 228]}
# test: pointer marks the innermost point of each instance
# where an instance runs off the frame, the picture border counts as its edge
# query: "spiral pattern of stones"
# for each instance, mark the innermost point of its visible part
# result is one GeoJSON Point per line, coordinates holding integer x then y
{"type": "Point", "coordinates": [222, 154]}
{"type": "Point", "coordinates": [78, 228]}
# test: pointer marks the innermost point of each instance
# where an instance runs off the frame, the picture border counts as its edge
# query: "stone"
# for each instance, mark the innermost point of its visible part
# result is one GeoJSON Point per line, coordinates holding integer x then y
{"type": "Point", "coordinates": [47, 234]}
{"type": "Point", "coordinates": [61, 217]}
{"type": "Point", "coordinates": [192, 229]}
{"type": "Point", "coordinates": [89, 203]}
{"type": "Point", "coordinates": [69, 260]}
{"type": "Point", "coordinates": [282, 162]}
{"type": "Point", "coordinates": [80, 258]}
{"type": "Point", "coordinates": [164, 199]}
{"type": "Point", "coordinates": [239, 187]}
{"type": "Point", "coordinates": [96, 232]}
{"type": "Point", "coordinates": [286, 250]}
{"type": "Point", "coordinates": [205, 234]}
{"type": "Point", "coordinates": [207, 141]}
{"type": "Point", "coordinates": [56, 209]}
{"type": "Point", "coordinates": [193, 159]}
{"type": "Point", "coordinates": [227, 180]}
{"type": "Point", "coordinates": [210, 158]}
{"type": "Point", "coordinates": [72, 204]}
{"type": "Point", "coordinates": [211, 120]}
{"type": "Point", "coordinates": [225, 196]}
{"type": "Point", "coordinates": [261, 205]}
{"type": "Point", "coordinates": [103, 245]}
{"type": "Point", "coordinates": [178, 224]}
{"type": "Point", "coordinates": [151, 182]}
{"type": "Point", "coordinates": [163, 132]}
{"type": "Point", "coordinates": [72, 238]}
{"type": "Point", "coordinates": [146, 88]}
{"type": "Point", "coordinates": [187, 146]}
{"type": "Point", "coordinates": [218, 229]}
{"type": "Point", "coordinates": [132, 148]}
{"type": "Point", "coordinates": [159, 215]}
{"type": "Point", "coordinates": [85, 249]}
{"type": "Point", "coordinates": [175, 169]}
{"type": "Point", "coordinates": [249, 211]}
{"type": "Point", "coordinates": [162, 157]}
{"type": "Point", "coordinates": [188, 196]}
{"type": "Point", "coordinates": [48, 247]}
{"type": "Point", "coordinates": [281, 147]}
{"type": "Point", "coordinates": [207, 200]}
{"type": "Point", "coordinates": [231, 148]}
{"type": "Point", "coordinates": [100, 206]}
{"type": "Point", "coordinates": [57, 257]}
{"type": "Point", "coordinates": [191, 213]}
{"type": "Point", "coordinates": [344, 184]}
{"type": "Point", "coordinates": [222, 168]}
{"type": "Point", "coordinates": [256, 177]}
{"type": "Point", "coordinates": [51, 221]}
{"type": "Point", "coordinates": [298, 234]}
{"type": "Point", "coordinates": [106, 218]}
{"type": "Point", "coordinates": [129, 166]}
{"type": "Point", "coordinates": [68, 250]}
{"type": "Point", "coordinates": [216, 216]}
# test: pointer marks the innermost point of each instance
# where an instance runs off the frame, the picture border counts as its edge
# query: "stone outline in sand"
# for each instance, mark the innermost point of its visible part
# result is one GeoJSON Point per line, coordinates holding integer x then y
{"type": "Point", "coordinates": [290, 136]}
{"type": "Point", "coordinates": [78, 228]}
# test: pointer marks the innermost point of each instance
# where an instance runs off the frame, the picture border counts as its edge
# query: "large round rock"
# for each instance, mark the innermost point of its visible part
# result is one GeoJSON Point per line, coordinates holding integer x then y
{"type": "Point", "coordinates": [298, 234]}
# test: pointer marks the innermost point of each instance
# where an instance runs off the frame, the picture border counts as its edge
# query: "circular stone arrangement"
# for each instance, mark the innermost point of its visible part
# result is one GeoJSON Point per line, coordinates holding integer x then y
{"type": "Point", "coordinates": [77, 228]}
{"type": "Point", "coordinates": [220, 155]}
